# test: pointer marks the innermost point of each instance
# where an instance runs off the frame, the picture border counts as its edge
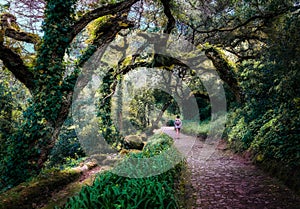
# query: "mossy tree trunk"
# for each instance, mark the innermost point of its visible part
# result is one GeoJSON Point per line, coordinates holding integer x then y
{"type": "Point", "coordinates": [51, 89]}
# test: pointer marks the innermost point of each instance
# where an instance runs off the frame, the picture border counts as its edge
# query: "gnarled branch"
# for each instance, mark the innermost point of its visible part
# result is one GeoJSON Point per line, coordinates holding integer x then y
{"type": "Point", "coordinates": [96, 13]}
{"type": "Point", "coordinates": [225, 71]}
{"type": "Point", "coordinates": [15, 64]}
{"type": "Point", "coordinates": [168, 13]}
{"type": "Point", "coordinates": [266, 16]}
{"type": "Point", "coordinates": [108, 32]}
{"type": "Point", "coordinates": [22, 36]}
{"type": "Point", "coordinates": [10, 28]}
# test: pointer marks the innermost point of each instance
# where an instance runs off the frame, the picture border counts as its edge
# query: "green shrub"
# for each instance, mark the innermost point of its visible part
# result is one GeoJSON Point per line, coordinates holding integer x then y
{"type": "Point", "coordinates": [237, 134]}
{"type": "Point", "coordinates": [279, 139]}
{"type": "Point", "coordinates": [158, 156]}
{"type": "Point", "coordinates": [195, 128]}
{"type": "Point", "coordinates": [156, 144]}
{"type": "Point", "coordinates": [110, 190]}
{"type": "Point", "coordinates": [170, 123]}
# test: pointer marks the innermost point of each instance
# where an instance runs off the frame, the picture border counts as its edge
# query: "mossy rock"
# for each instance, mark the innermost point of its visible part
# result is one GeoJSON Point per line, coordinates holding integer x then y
{"type": "Point", "coordinates": [98, 157]}
{"type": "Point", "coordinates": [127, 152]}
{"type": "Point", "coordinates": [143, 137]}
{"type": "Point", "coordinates": [110, 162]}
{"type": "Point", "coordinates": [133, 142]}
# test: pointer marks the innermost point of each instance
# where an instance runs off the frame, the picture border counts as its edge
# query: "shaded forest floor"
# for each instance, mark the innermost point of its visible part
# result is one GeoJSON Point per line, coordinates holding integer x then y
{"type": "Point", "coordinates": [60, 197]}
{"type": "Point", "coordinates": [222, 179]}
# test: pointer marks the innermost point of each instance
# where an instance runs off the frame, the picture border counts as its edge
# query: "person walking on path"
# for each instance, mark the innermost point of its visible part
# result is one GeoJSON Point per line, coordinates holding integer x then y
{"type": "Point", "coordinates": [177, 125]}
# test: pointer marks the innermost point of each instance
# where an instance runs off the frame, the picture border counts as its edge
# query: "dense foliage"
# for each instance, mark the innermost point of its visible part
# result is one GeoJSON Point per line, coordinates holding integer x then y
{"type": "Point", "coordinates": [110, 190]}
{"type": "Point", "coordinates": [27, 145]}
{"type": "Point", "coordinates": [252, 45]}
{"type": "Point", "coordinates": [267, 124]}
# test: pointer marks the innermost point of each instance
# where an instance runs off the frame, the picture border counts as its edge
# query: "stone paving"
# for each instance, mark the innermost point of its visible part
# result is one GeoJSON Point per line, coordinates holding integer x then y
{"type": "Point", "coordinates": [221, 179]}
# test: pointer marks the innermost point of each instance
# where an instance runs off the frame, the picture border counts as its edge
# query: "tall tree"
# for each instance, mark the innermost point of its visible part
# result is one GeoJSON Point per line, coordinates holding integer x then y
{"type": "Point", "coordinates": [51, 88]}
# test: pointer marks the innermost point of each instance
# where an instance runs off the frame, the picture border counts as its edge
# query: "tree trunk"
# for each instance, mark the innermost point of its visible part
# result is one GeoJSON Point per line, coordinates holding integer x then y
{"type": "Point", "coordinates": [161, 113]}
{"type": "Point", "coordinates": [52, 92]}
{"type": "Point", "coordinates": [225, 71]}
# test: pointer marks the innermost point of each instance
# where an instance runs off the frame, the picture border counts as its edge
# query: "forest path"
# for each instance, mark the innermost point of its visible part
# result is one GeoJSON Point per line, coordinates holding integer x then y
{"type": "Point", "coordinates": [223, 180]}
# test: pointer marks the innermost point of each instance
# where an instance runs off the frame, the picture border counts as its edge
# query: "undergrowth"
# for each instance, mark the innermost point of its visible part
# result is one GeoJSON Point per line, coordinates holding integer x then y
{"type": "Point", "coordinates": [111, 190]}
{"type": "Point", "coordinates": [197, 128]}
{"type": "Point", "coordinates": [204, 128]}
{"type": "Point", "coordinates": [38, 190]}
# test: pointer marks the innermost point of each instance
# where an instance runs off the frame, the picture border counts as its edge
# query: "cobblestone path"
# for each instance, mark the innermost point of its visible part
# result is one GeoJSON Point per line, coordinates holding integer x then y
{"type": "Point", "coordinates": [223, 180]}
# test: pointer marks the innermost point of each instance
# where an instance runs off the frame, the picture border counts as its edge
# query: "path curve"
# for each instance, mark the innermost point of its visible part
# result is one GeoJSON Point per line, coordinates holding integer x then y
{"type": "Point", "coordinates": [223, 180]}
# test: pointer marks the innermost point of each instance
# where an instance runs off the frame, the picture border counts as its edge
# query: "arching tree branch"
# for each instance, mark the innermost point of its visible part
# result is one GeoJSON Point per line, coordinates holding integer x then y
{"type": "Point", "coordinates": [15, 64]}
{"type": "Point", "coordinates": [22, 36]}
{"type": "Point", "coordinates": [10, 28]}
{"type": "Point", "coordinates": [105, 34]}
{"type": "Point", "coordinates": [225, 71]}
{"type": "Point", "coordinates": [99, 12]}
{"type": "Point", "coordinates": [266, 16]}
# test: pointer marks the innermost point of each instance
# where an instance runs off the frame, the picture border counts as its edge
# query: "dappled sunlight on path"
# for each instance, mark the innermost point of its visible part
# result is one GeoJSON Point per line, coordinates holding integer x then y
{"type": "Point", "coordinates": [223, 180]}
